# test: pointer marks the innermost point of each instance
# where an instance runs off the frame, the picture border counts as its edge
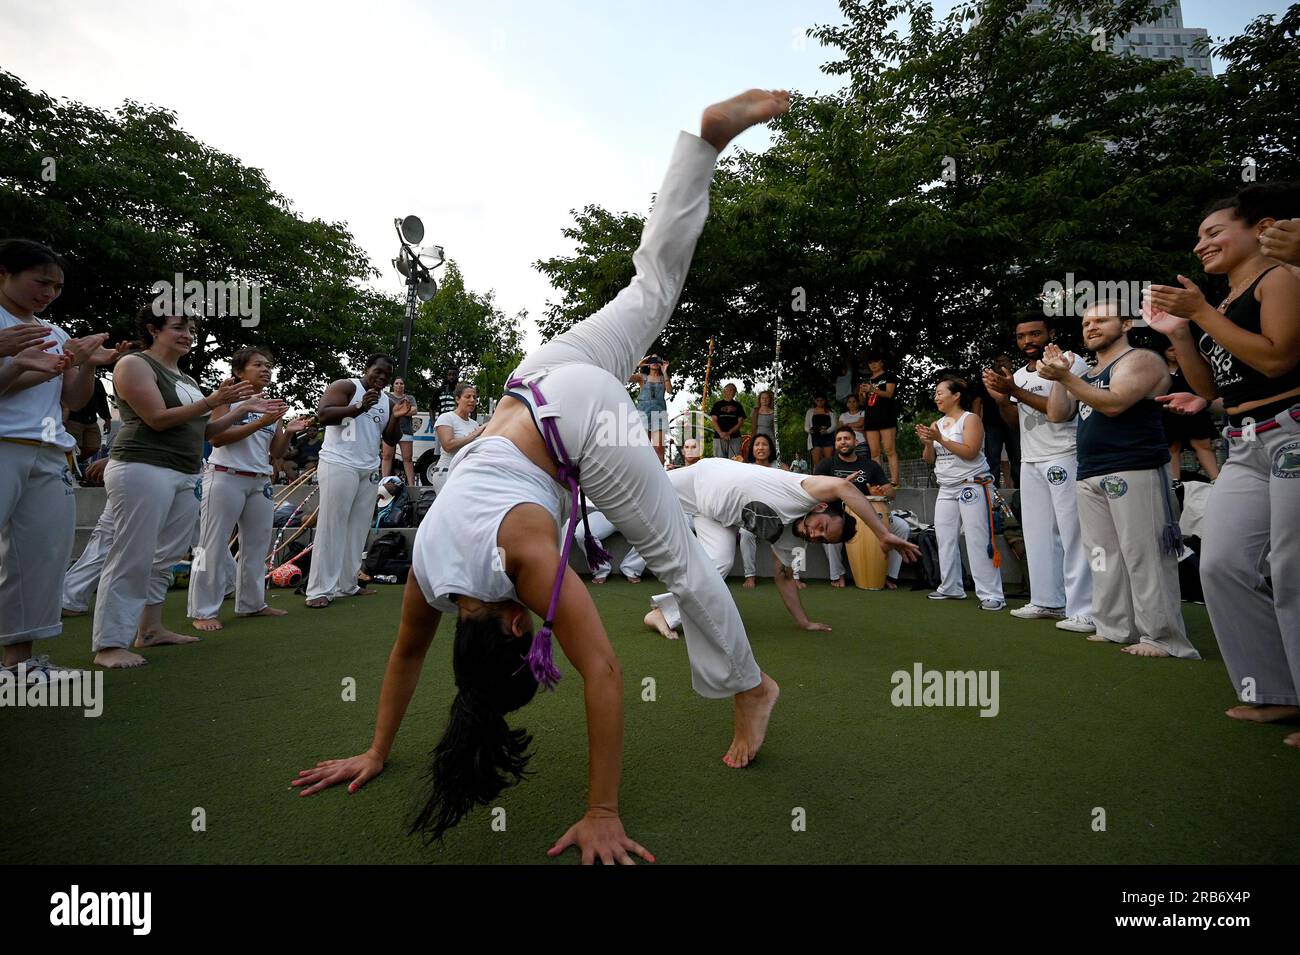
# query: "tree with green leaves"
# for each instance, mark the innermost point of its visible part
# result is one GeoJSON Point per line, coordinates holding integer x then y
{"type": "Point", "coordinates": [966, 163]}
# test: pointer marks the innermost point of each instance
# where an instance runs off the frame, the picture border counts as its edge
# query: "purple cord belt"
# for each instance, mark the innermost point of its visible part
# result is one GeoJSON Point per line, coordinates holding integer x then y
{"type": "Point", "coordinates": [540, 656]}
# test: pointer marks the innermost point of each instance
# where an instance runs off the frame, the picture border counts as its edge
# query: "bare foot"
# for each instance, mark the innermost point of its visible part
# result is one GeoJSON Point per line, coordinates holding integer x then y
{"type": "Point", "coordinates": [318, 603]}
{"type": "Point", "coordinates": [890, 585]}
{"type": "Point", "coordinates": [1293, 740]}
{"type": "Point", "coordinates": [598, 580]}
{"type": "Point", "coordinates": [1263, 713]}
{"type": "Point", "coordinates": [656, 621]}
{"type": "Point", "coordinates": [1144, 650]}
{"type": "Point", "coordinates": [73, 613]}
{"type": "Point", "coordinates": [838, 582]}
{"type": "Point", "coordinates": [750, 583]}
{"type": "Point", "coordinates": [1097, 638]}
{"type": "Point", "coordinates": [206, 624]}
{"type": "Point", "coordinates": [634, 580]}
{"type": "Point", "coordinates": [753, 710]}
{"type": "Point", "coordinates": [118, 658]}
{"type": "Point", "coordinates": [265, 612]}
{"type": "Point", "coordinates": [366, 592]}
{"type": "Point", "coordinates": [723, 122]}
{"type": "Point", "coordinates": [799, 584]}
{"type": "Point", "coordinates": [162, 637]}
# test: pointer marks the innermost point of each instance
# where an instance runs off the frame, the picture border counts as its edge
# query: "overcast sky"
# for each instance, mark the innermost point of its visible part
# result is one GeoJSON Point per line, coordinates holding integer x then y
{"type": "Point", "coordinates": [488, 119]}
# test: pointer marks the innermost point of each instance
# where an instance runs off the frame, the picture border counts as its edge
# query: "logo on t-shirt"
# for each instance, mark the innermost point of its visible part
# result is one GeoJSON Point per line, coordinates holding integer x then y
{"type": "Point", "coordinates": [1057, 475]}
{"type": "Point", "coordinates": [1085, 411]}
{"type": "Point", "coordinates": [1114, 486]}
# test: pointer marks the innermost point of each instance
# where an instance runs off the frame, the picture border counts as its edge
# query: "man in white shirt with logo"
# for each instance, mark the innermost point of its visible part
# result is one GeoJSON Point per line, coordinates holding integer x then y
{"type": "Point", "coordinates": [356, 414]}
{"type": "Point", "coordinates": [1060, 579]}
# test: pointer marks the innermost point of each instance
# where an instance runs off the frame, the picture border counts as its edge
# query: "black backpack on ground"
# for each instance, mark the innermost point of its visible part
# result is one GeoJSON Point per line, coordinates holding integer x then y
{"type": "Point", "coordinates": [390, 546]}
{"type": "Point", "coordinates": [927, 568]}
{"type": "Point", "coordinates": [399, 512]}
{"type": "Point", "coordinates": [422, 505]}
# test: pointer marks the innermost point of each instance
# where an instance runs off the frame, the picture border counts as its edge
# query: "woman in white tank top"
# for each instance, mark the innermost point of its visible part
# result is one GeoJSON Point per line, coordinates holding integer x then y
{"type": "Point", "coordinates": [237, 492]}
{"type": "Point", "coordinates": [954, 445]}
{"type": "Point", "coordinates": [455, 430]}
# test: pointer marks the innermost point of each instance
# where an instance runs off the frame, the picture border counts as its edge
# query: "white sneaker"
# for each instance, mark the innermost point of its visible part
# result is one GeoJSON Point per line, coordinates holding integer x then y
{"type": "Point", "coordinates": [993, 605]}
{"type": "Point", "coordinates": [1079, 623]}
{"type": "Point", "coordinates": [41, 670]}
{"type": "Point", "coordinates": [1035, 612]}
{"type": "Point", "coordinates": [942, 596]}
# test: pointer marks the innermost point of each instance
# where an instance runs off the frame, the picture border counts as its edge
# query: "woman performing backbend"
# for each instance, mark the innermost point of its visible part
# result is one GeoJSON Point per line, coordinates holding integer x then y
{"type": "Point", "coordinates": [567, 417]}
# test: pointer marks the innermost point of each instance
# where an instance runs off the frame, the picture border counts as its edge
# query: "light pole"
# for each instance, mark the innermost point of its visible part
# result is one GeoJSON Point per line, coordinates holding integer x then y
{"type": "Point", "coordinates": [420, 286]}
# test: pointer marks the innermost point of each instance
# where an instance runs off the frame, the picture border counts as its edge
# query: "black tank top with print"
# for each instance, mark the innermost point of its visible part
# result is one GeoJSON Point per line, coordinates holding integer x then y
{"type": "Point", "coordinates": [1236, 381]}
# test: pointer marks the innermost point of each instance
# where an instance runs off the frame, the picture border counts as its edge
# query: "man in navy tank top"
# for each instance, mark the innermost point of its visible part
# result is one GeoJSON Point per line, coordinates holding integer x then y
{"type": "Point", "coordinates": [1127, 511]}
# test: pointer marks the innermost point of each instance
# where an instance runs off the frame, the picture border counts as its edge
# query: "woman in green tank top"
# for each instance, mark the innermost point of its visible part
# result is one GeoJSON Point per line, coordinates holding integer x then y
{"type": "Point", "coordinates": [153, 485]}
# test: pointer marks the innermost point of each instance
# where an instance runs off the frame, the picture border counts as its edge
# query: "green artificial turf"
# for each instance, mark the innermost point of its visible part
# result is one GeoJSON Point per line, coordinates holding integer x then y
{"type": "Point", "coordinates": [225, 725]}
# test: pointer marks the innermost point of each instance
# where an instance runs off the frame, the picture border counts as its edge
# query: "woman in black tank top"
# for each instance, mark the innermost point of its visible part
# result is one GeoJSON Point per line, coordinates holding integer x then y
{"type": "Point", "coordinates": [1247, 352]}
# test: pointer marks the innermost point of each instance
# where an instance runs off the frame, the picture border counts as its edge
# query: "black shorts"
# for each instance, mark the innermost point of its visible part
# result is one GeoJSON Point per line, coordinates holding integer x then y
{"type": "Point", "coordinates": [823, 440]}
{"type": "Point", "coordinates": [879, 424]}
{"type": "Point", "coordinates": [1184, 428]}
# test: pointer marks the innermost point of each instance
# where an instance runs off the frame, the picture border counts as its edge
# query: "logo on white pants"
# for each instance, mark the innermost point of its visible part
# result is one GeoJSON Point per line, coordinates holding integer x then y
{"type": "Point", "coordinates": [198, 489]}
{"type": "Point", "coordinates": [1056, 475]}
{"type": "Point", "coordinates": [967, 495]}
{"type": "Point", "coordinates": [1286, 462]}
{"type": "Point", "coordinates": [1114, 486]}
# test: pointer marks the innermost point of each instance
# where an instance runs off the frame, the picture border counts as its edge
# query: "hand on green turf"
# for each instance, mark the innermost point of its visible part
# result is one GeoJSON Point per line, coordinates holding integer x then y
{"type": "Point", "coordinates": [814, 625]}
{"type": "Point", "coordinates": [599, 835]}
{"type": "Point", "coordinates": [357, 771]}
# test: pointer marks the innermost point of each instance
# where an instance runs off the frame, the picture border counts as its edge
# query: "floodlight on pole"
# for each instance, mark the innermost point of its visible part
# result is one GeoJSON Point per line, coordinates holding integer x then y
{"type": "Point", "coordinates": [416, 266]}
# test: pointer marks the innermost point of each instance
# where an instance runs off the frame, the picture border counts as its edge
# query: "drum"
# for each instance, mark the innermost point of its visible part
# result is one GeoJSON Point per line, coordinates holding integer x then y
{"type": "Point", "coordinates": [866, 559]}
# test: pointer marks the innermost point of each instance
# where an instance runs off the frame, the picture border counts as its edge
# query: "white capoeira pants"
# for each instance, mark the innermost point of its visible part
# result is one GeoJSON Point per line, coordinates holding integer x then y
{"type": "Point", "coordinates": [964, 509]}
{"type": "Point", "coordinates": [1135, 592]}
{"type": "Point", "coordinates": [38, 517]}
{"type": "Point", "coordinates": [893, 563]}
{"type": "Point", "coordinates": [581, 375]}
{"type": "Point", "coordinates": [347, 505]}
{"type": "Point", "coordinates": [230, 500]}
{"type": "Point", "coordinates": [82, 579]}
{"type": "Point", "coordinates": [632, 564]}
{"type": "Point", "coordinates": [1059, 575]}
{"type": "Point", "coordinates": [1254, 513]}
{"type": "Point", "coordinates": [719, 543]}
{"type": "Point", "coordinates": [155, 511]}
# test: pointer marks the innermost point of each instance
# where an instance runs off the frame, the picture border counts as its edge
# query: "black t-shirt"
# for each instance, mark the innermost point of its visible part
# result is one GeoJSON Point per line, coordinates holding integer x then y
{"type": "Point", "coordinates": [727, 413]}
{"type": "Point", "coordinates": [872, 473]}
{"type": "Point", "coordinates": [306, 449]}
{"type": "Point", "coordinates": [880, 409]}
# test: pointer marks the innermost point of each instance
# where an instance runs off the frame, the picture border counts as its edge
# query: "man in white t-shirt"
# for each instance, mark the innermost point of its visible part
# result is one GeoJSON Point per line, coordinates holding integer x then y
{"type": "Point", "coordinates": [357, 415]}
{"type": "Point", "coordinates": [1060, 579]}
{"type": "Point", "coordinates": [778, 506]}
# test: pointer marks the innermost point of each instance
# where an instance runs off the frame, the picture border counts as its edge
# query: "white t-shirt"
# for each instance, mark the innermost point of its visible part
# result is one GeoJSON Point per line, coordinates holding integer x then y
{"type": "Point", "coordinates": [252, 453]}
{"type": "Point", "coordinates": [455, 548]}
{"type": "Point", "coordinates": [854, 419]}
{"type": "Point", "coordinates": [355, 442]}
{"type": "Point", "coordinates": [459, 428]}
{"type": "Point", "coordinates": [949, 468]}
{"type": "Point", "coordinates": [719, 489]}
{"type": "Point", "coordinates": [34, 414]}
{"type": "Point", "coordinates": [1040, 439]}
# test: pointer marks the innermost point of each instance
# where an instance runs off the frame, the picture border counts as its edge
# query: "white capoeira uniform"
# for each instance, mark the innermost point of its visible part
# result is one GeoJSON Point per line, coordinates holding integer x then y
{"type": "Point", "coordinates": [348, 474]}
{"type": "Point", "coordinates": [964, 505]}
{"type": "Point", "coordinates": [715, 493]}
{"type": "Point", "coordinates": [581, 373]}
{"type": "Point", "coordinates": [460, 427]}
{"type": "Point", "coordinates": [1059, 575]}
{"type": "Point", "coordinates": [236, 491]}
{"type": "Point", "coordinates": [38, 513]}
{"type": "Point", "coordinates": [632, 564]}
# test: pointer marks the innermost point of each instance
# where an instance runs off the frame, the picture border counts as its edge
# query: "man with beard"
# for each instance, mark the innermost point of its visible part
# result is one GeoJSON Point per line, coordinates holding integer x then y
{"type": "Point", "coordinates": [1060, 580]}
{"type": "Point", "coordinates": [1126, 502]}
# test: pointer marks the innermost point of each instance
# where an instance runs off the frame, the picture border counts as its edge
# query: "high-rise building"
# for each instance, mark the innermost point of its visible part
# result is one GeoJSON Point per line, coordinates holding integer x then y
{"type": "Point", "coordinates": [1163, 39]}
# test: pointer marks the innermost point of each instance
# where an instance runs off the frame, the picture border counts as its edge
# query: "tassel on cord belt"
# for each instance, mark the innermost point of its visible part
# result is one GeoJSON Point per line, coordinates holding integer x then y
{"type": "Point", "coordinates": [541, 655]}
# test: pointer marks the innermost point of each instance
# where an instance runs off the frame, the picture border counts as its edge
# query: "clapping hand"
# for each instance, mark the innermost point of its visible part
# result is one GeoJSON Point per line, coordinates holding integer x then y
{"type": "Point", "coordinates": [927, 432]}
{"type": "Point", "coordinates": [231, 390]}
{"type": "Point", "coordinates": [369, 399]}
{"type": "Point", "coordinates": [296, 426]}
{"type": "Point", "coordinates": [42, 361]}
{"type": "Point", "coordinates": [1281, 241]}
{"type": "Point", "coordinates": [1054, 366]}
{"type": "Point", "coordinates": [20, 338]}
{"type": "Point", "coordinates": [997, 383]}
{"type": "Point", "coordinates": [403, 408]}
{"type": "Point", "coordinates": [1186, 302]}
{"type": "Point", "coordinates": [1183, 402]}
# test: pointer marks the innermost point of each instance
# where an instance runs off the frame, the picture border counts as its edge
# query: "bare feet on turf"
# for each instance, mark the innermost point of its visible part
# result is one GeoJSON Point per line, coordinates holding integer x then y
{"type": "Point", "coordinates": [206, 624]}
{"type": "Point", "coordinates": [799, 584]}
{"type": "Point", "coordinates": [890, 585]}
{"type": "Point", "coordinates": [318, 603]}
{"type": "Point", "coordinates": [1144, 650]}
{"type": "Point", "coordinates": [162, 637]}
{"type": "Point", "coordinates": [1097, 638]}
{"type": "Point", "coordinates": [1293, 740]}
{"type": "Point", "coordinates": [838, 582]}
{"type": "Point", "coordinates": [634, 580]}
{"type": "Point", "coordinates": [598, 580]}
{"type": "Point", "coordinates": [1263, 712]}
{"type": "Point", "coordinates": [656, 621]}
{"type": "Point", "coordinates": [750, 583]}
{"type": "Point", "coordinates": [265, 612]}
{"type": "Point", "coordinates": [723, 122]}
{"type": "Point", "coordinates": [753, 710]}
{"type": "Point", "coordinates": [366, 592]}
{"type": "Point", "coordinates": [118, 658]}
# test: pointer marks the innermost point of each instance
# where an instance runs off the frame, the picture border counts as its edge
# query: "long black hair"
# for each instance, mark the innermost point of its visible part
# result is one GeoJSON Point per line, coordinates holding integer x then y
{"type": "Point", "coordinates": [479, 755]}
{"type": "Point", "coordinates": [19, 255]}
